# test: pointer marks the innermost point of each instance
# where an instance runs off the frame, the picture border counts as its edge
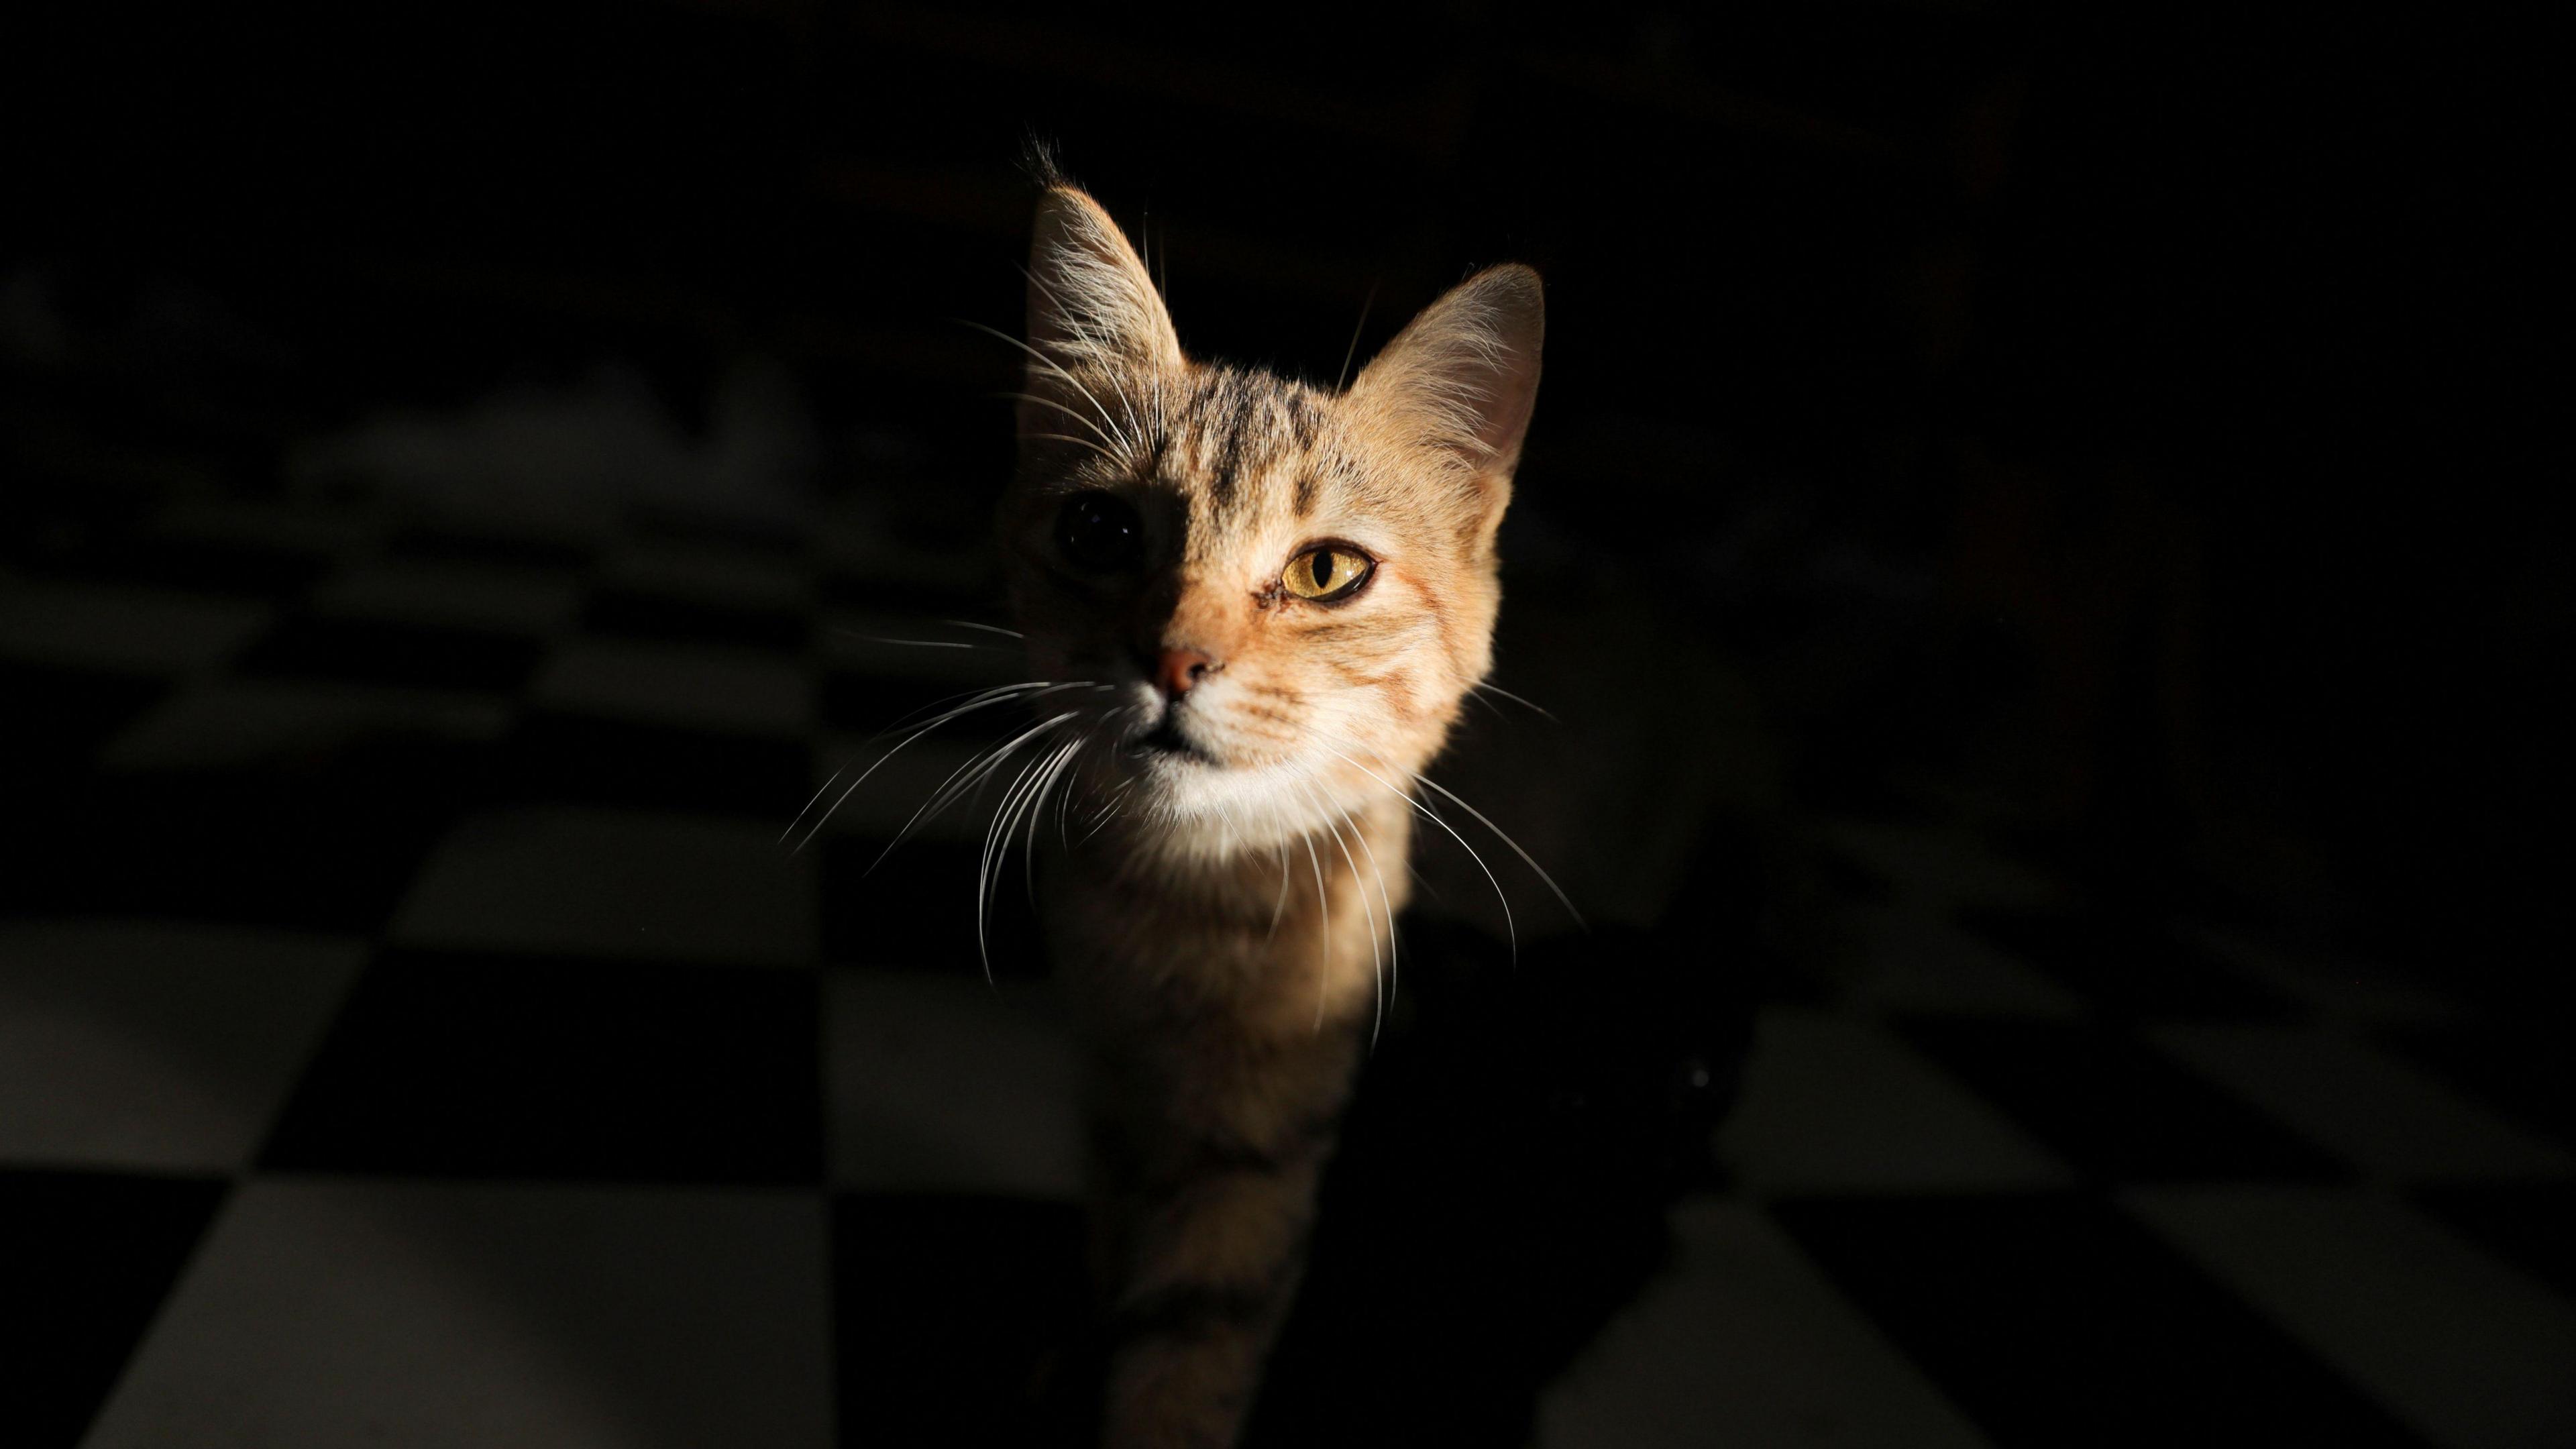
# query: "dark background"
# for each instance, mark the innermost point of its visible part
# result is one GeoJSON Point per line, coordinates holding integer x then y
{"type": "Point", "coordinates": [2194, 356]}
{"type": "Point", "coordinates": [2129, 421]}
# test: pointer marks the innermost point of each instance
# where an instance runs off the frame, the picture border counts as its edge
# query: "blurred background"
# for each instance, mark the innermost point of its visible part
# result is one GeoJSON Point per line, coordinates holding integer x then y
{"type": "Point", "coordinates": [2034, 551]}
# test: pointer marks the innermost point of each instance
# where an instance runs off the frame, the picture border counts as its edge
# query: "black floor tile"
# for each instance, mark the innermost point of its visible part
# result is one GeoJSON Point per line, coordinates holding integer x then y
{"type": "Point", "coordinates": [916, 910]}
{"type": "Point", "coordinates": [2127, 965]}
{"type": "Point", "coordinates": [2114, 1108]}
{"type": "Point", "coordinates": [2524, 1072]}
{"type": "Point", "coordinates": [635, 614]}
{"type": "Point", "coordinates": [205, 565]}
{"type": "Point", "coordinates": [580, 759]}
{"type": "Point", "coordinates": [446, 545]}
{"type": "Point", "coordinates": [57, 717]}
{"type": "Point", "coordinates": [325, 841]}
{"type": "Point", "coordinates": [959, 1321]}
{"type": "Point", "coordinates": [2055, 1320]}
{"type": "Point", "coordinates": [375, 651]}
{"type": "Point", "coordinates": [910, 596]}
{"type": "Point", "coordinates": [85, 1261]}
{"type": "Point", "coordinates": [776, 537]}
{"type": "Point", "coordinates": [488, 1066]}
{"type": "Point", "coordinates": [2524, 1223]}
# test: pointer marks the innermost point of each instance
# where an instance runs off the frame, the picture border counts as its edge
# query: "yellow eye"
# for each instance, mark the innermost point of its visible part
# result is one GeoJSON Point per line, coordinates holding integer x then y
{"type": "Point", "coordinates": [1331, 571]}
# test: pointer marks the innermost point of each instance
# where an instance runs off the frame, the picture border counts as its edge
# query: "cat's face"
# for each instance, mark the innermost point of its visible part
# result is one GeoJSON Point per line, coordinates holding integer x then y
{"type": "Point", "coordinates": [1263, 601]}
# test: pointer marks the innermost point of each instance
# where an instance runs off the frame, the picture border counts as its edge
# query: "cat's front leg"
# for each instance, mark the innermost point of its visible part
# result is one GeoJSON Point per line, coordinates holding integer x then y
{"type": "Point", "coordinates": [1210, 1207]}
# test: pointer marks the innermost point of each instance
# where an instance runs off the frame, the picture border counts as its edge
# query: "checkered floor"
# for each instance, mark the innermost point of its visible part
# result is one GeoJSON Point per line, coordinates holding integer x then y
{"type": "Point", "coordinates": [413, 1032]}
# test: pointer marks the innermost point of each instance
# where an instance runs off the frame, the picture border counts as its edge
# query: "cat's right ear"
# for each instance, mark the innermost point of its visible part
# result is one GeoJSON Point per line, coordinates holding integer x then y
{"type": "Point", "coordinates": [1091, 303]}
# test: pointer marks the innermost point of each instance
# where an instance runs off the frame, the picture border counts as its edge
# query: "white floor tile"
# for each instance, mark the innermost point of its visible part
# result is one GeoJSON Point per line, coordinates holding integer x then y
{"type": "Point", "coordinates": [1744, 1342]}
{"type": "Point", "coordinates": [938, 1083]}
{"type": "Point", "coordinates": [321, 1314]}
{"type": "Point", "coordinates": [614, 884]}
{"type": "Point", "coordinates": [2383, 1114]}
{"type": "Point", "coordinates": [2470, 1353]}
{"type": "Point", "coordinates": [159, 1047]}
{"type": "Point", "coordinates": [1836, 1105]}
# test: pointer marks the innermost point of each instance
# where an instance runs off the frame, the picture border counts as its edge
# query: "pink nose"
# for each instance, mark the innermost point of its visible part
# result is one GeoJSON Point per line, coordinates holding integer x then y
{"type": "Point", "coordinates": [1178, 671]}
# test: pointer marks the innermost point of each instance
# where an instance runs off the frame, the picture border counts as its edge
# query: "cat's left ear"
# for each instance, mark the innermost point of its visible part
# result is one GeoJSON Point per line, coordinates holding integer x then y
{"type": "Point", "coordinates": [1463, 376]}
{"type": "Point", "coordinates": [1090, 302]}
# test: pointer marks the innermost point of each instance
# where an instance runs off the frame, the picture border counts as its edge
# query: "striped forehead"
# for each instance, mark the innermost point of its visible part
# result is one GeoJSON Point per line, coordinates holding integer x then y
{"type": "Point", "coordinates": [1246, 448]}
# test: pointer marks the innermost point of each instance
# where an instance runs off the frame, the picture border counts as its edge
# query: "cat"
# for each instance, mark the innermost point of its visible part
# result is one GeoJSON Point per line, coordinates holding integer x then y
{"type": "Point", "coordinates": [1252, 609]}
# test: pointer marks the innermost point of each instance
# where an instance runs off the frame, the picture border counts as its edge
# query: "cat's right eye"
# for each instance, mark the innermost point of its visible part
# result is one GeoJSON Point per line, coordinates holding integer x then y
{"type": "Point", "coordinates": [1100, 533]}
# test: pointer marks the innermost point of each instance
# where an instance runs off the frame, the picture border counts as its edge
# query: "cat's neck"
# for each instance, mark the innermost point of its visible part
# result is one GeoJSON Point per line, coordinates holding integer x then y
{"type": "Point", "coordinates": [1277, 933]}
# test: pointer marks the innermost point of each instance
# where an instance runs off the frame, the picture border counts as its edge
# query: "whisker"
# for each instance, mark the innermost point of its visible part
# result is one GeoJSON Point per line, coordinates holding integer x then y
{"type": "Point", "coordinates": [1058, 369]}
{"type": "Point", "coordinates": [912, 643]}
{"type": "Point", "coordinates": [1510, 928]}
{"type": "Point", "coordinates": [1561, 896]}
{"type": "Point", "coordinates": [1114, 460]}
{"type": "Point", "coordinates": [1323, 907]}
{"type": "Point", "coordinates": [1357, 328]}
{"type": "Point", "coordinates": [1001, 827]}
{"type": "Point", "coordinates": [1281, 908]}
{"type": "Point", "coordinates": [1539, 709]}
{"type": "Point", "coordinates": [949, 790]}
{"type": "Point", "coordinates": [1048, 402]}
{"type": "Point", "coordinates": [999, 696]}
{"type": "Point", "coordinates": [1037, 814]}
{"type": "Point", "coordinates": [905, 719]}
{"type": "Point", "coordinates": [1394, 981]}
{"type": "Point", "coordinates": [1377, 962]}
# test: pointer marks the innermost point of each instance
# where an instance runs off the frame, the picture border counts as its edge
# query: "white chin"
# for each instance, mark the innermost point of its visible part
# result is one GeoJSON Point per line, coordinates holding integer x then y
{"type": "Point", "coordinates": [1255, 806]}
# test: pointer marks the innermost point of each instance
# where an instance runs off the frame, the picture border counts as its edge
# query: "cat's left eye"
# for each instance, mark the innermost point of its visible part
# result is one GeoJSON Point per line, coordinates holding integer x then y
{"type": "Point", "coordinates": [1327, 572]}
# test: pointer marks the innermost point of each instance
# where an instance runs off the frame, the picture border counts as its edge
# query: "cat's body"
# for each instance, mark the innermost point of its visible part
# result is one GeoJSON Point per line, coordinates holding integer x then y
{"type": "Point", "coordinates": [1256, 607]}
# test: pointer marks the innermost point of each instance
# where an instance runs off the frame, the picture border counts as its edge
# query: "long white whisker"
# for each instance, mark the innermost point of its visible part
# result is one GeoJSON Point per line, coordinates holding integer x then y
{"type": "Point", "coordinates": [1510, 928]}
{"type": "Point", "coordinates": [1394, 981]}
{"type": "Point", "coordinates": [1561, 896]}
{"type": "Point", "coordinates": [1539, 709]}
{"type": "Point", "coordinates": [1324, 908]}
{"type": "Point", "coordinates": [1114, 460]}
{"type": "Point", "coordinates": [1377, 961]}
{"type": "Point", "coordinates": [913, 643]}
{"type": "Point", "coordinates": [1001, 828]}
{"type": "Point", "coordinates": [1358, 327]}
{"type": "Point", "coordinates": [976, 700]}
{"type": "Point", "coordinates": [980, 702]}
{"type": "Point", "coordinates": [1056, 767]}
{"type": "Point", "coordinates": [1276, 911]}
{"type": "Point", "coordinates": [949, 788]}
{"type": "Point", "coordinates": [1057, 368]}
{"type": "Point", "coordinates": [1048, 402]}
{"type": "Point", "coordinates": [1092, 342]}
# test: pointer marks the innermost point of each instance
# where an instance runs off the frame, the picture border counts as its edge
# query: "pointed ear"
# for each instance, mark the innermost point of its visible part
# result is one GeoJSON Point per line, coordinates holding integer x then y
{"type": "Point", "coordinates": [1464, 374]}
{"type": "Point", "coordinates": [1090, 302]}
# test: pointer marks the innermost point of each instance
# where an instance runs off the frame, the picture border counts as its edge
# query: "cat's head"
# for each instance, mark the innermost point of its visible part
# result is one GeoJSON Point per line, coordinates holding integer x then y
{"type": "Point", "coordinates": [1276, 596]}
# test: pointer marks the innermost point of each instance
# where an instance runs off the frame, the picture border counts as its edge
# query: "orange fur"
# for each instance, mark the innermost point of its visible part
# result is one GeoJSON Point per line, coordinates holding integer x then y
{"type": "Point", "coordinates": [1227, 933]}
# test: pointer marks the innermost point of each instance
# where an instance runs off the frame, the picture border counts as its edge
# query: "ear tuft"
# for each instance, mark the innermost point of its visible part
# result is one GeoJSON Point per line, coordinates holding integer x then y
{"type": "Point", "coordinates": [1090, 300]}
{"type": "Point", "coordinates": [1465, 372]}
